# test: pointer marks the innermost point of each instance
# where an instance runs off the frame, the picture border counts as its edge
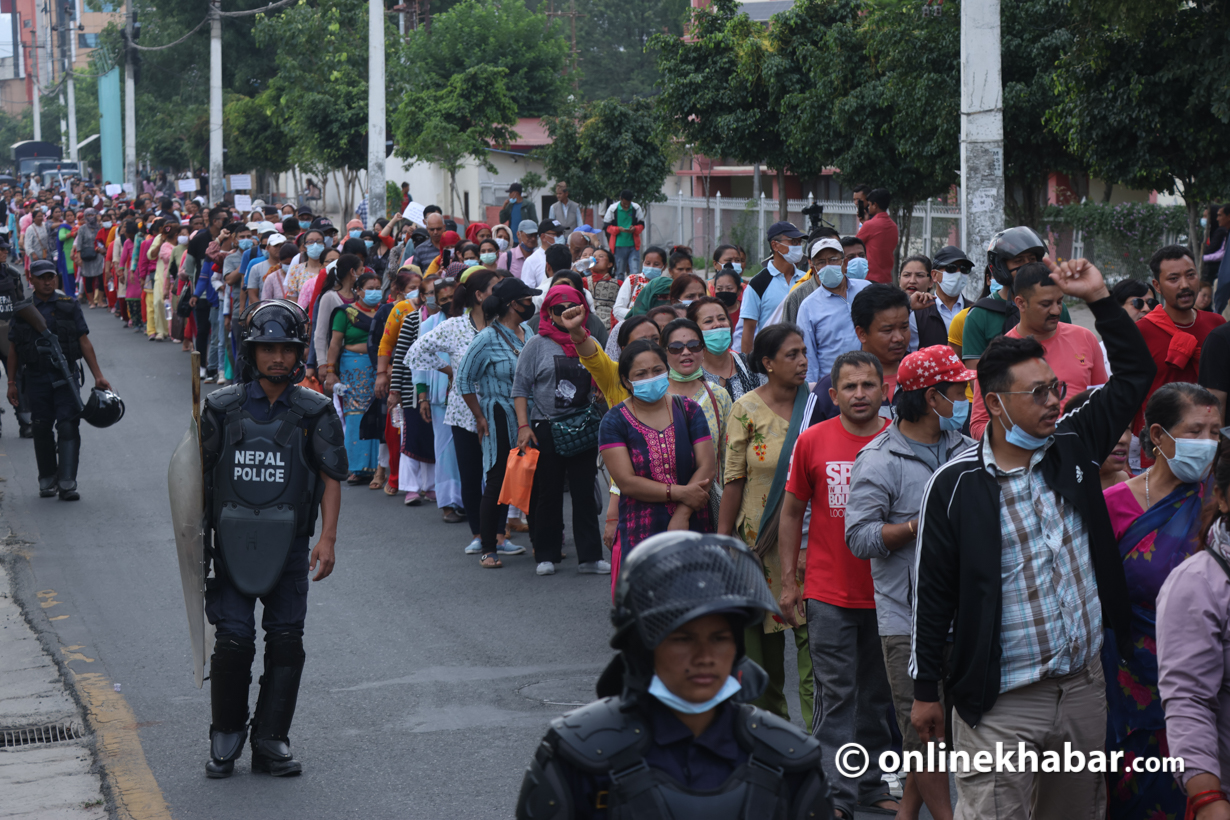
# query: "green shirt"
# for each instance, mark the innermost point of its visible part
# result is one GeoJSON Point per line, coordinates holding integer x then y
{"type": "Point", "coordinates": [982, 325]}
{"type": "Point", "coordinates": [624, 218]}
{"type": "Point", "coordinates": [351, 335]}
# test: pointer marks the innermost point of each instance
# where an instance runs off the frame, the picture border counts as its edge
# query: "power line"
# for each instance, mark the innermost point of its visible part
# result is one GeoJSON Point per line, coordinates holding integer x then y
{"type": "Point", "coordinates": [197, 27]}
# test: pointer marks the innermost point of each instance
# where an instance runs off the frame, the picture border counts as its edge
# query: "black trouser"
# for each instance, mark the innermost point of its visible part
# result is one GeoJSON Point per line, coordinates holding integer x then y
{"type": "Point", "coordinates": [470, 467]}
{"type": "Point", "coordinates": [547, 501]}
{"type": "Point", "coordinates": [493, 516]}
{"type": "Point", "coordinates": [202, 328]}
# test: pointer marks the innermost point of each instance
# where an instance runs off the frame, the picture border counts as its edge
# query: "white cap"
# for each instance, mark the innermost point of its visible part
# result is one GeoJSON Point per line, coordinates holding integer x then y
{"type": "Point", "coordinates": [826, 242]}
{"type": "Point", "coordinates": [258, 204]}
{"type": "Point", "coordinates": [253, 226]}
{"type": "Point", "coordinates": [276, 239]}
{"type": "Point", "coordinates": [265, 227]}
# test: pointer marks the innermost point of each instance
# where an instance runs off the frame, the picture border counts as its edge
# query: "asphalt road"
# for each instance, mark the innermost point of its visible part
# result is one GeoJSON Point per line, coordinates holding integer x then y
{"type": "Point", "coordinates": [429, 681]}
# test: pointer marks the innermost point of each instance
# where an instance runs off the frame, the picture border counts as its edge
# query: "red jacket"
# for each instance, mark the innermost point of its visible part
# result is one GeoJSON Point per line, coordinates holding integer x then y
{"type": "Point", "coordinates": [879, 235]}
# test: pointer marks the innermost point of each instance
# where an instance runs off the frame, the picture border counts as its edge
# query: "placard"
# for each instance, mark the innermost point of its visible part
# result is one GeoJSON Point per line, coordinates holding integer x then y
{"type": "Point", "coordinates": [241, 182]}
{"type": "Point", "coordinates": [128, 189]}
{"type": "Point", "coordinates": [187, 185]}
{"type": "Point", "coordinates": [243, 202]}
{"type": "Point", "coordinates": [414, 212]}
{"type": "Point", "coordinates": [114, 190]}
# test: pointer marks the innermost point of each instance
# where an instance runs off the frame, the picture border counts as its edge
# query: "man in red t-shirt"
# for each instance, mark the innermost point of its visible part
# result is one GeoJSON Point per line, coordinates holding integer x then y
{"type": "Point", "coordinates": [879, 235]}
{"type": "Point", "coordinates": [1174, 330]}
{"type": "Point", "coordinates": [852, 693]}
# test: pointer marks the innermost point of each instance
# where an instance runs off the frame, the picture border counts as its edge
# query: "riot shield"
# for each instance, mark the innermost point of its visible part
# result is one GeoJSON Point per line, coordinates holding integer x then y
{"type": "Point", "coordinates": [186, 484]}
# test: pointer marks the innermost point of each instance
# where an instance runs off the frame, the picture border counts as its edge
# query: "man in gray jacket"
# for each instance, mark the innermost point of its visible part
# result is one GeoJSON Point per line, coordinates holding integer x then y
{"type": "Point", "coordinates": [886, 488]}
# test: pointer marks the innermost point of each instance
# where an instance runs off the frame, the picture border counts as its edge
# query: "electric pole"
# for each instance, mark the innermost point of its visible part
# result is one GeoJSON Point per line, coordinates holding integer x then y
{"type": "Point", "coordinates": [72, 93]}
{"type": "Point", "coordinates": [130, 102]}
{"type": "Point", "coordinates": [38, 108]}
{"type": "Point", "coordinates": [982, 130]}
{"type": "Point", "coordinates": [375, 112]}
{"type": "Point", "coordinates": [215, 101]}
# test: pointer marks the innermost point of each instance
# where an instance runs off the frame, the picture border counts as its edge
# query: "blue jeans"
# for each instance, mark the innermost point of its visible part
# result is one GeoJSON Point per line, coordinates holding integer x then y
{"type": "Point", "coordinates": [214, 361]}
{"type": "Point", "coordinates": [627, 260]}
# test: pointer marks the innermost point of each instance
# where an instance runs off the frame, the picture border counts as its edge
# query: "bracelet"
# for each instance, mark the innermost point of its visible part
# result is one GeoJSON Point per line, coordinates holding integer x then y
{"type": "Point", "coordinates": [1202, 799]}
{"type": "Point", "coordinates": [520, 426]}
{"type": "Point", "coordinates": [913, 528]}
{"type": "Point", "coordinates": [668, 494]}
{"type": "Point", "coordinates": [609, 520]}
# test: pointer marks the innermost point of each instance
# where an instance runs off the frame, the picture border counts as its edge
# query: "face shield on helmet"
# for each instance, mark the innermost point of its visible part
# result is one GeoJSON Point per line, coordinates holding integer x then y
{"type": "Point", "coordinates": [277, 321]}
{"type": "Point", "coordinates": [1009, 243]}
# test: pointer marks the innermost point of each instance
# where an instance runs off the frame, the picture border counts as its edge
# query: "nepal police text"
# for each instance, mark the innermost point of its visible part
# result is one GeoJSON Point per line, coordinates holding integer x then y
{"type": "Point", "coordinates": [266, 469]}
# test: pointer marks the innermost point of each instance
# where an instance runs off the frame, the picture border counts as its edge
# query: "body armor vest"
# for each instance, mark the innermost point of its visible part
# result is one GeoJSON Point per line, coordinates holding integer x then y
{"type": "Point", "coordinates": [61, 324]}
{"type": "Point", "coordinates": [10, 290]}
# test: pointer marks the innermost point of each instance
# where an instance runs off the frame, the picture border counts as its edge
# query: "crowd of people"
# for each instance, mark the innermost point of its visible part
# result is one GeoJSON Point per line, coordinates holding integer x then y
{"type": "Point", "coordinates": [866, 430]}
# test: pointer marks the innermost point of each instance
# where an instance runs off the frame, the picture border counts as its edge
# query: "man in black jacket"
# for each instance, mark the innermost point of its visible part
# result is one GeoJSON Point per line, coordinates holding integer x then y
{"type": "Point", "coordinates": [1017, 555]}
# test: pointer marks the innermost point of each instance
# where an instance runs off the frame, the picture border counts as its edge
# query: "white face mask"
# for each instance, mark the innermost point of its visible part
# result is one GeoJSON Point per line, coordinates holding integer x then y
{"type": "Point", "coordinates": [794, 254]}
{"type": "Point", "coordinates": [502, 243]}
{"type": "Point", "coordinates": [953, 283]}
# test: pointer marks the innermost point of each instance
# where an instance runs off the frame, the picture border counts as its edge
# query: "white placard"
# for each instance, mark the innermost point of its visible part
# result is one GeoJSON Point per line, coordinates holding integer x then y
{"type": "Point", "coordinates": [241, 182]}
{"type": "Point", "coordinates": [243, 202]}
{"type": "Point", "coordinates": [128, 189]}
{"type": "Point", "coordinates": [114, 190]}
{"type": "Point", "coordinates": [414, 212]}
{"type": "Point", "coordinates": [188, 184]}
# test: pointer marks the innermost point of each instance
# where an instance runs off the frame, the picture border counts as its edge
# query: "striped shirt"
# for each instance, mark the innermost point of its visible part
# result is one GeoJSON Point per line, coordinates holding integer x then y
{"type": "Point", "coordinates": [488, 370]}
{"type": "Point", "coordinates": [1051, 617]}
{"type": "Point", "coordinates": [400, 377]}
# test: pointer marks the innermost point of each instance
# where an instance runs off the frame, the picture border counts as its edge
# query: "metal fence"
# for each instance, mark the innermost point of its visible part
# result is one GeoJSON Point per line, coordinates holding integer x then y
{"type": "Point", "coordinates": [704, 223]}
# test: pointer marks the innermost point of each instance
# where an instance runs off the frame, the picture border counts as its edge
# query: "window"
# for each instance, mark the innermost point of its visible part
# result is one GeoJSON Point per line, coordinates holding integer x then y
{"type": "Point", "coordinates": [87, 40]}
{"type": "Point", "coordinates": [104, 6]}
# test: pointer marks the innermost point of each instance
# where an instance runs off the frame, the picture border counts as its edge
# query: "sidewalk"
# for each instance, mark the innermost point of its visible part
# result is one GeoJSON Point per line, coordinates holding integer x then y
{"type": "Point", "coordinates": [51, 778]}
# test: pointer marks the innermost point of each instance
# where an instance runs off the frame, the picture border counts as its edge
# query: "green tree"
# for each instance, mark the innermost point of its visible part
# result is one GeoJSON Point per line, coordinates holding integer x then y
{"type": "Point", "coordinates": [604, 147]}
{"type": "Point", "coordinates": [611, 41]}
{"type": "Point", "coordinates": [253, 136]}
{"type": "Point", "coordinates": [476, 33]}
{"type": "Point", "coordinates": [457, 122]}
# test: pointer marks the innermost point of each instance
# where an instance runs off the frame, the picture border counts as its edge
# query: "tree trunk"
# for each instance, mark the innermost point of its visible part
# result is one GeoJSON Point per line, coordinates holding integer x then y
{"type": "Point", "coordinates": [782, 206]}
{"type": "Point", "coordinates": [1193, 221]}
{"type": "Point", "coordinates": [1106, 192]}
{"type": "Point", "coordinates": [905, 225]}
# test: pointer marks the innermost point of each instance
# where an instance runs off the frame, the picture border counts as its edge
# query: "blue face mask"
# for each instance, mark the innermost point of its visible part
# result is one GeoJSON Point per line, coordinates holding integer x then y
{"type": "Point", "coordinates": [315, 249]}
{"type": "Point", "coordinates": [651, 273]}
{"type": "Point", "coordinates": [355, 233]}
{"type": "Point", "coordinates": [831, 276]}
{"type": "Point", "coordinates": [245, 244]}
{"type": "Point", "coordinates": [430, 300]}
{"type": "Point", "coordinates": [1193, 458]}
{"type": "Point", "coordinates": [672, 701]}
{"type": "Point", "coordinates": [1204, 222]}
{"type": "Point", "coordinates": [371, 297]}
{"type": "Point", "coordinates": [960, 412]}
{"type": "Point", "coordinates": [559, 240]}
{"type": "Point", "coordinates": [996, 287]}
{"type": "Point", "coordinates": [651, 389]}
{"type": "Point", "coordinates": [368, 243]}
{"type": "Point", "coordinates": [738, 266]}
{"type": "Point", "coordinates": [856, 268]}
{"type": "Point", "coordinates": [1019, 437]}
{"type": "Point", "coordinates": [717, 340]}
{"type": "Point", "coordinates": [328, 242]}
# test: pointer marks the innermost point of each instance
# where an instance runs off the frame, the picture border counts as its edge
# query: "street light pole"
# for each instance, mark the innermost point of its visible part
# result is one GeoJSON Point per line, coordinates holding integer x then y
{"type": "Point", "coordinates": [130, 109]}
{"type": "Point", "coordinates": [375, 111]}
{"type": "Point", "coordinates": [72, 92]}
{"type": "Point", "coordinates": [215, 101]}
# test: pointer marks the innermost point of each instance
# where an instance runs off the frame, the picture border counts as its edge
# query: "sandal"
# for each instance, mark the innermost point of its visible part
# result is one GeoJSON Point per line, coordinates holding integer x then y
{"type": "Point", "coordinates": [490, 561]}
{"type": "Point", "coordinates": [354, 479]}
{"type": "Point", "coordinates": [390, 488]}
{"type": "Point", "coordinates": [378, 479]}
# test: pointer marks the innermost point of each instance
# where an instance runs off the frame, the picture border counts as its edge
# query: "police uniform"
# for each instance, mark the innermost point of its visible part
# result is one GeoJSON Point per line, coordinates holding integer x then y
{"type": "Point", "coordinates": [54, 412]}
{"type": "Point", "coordinates": [262, 462]}
{"type": "Point", "coordinates": [13, 297]}
{"type": "Point", "coordinates": [628, 757]}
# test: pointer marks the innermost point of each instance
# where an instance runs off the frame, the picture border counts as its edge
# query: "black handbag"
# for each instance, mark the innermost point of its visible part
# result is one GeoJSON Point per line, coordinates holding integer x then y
{"type": "Point", "coordinates": [371, 425]}
{"type": "Point", "coordinates": [184, 308]}
{"type": "Point", "coordinates": [576, 432]}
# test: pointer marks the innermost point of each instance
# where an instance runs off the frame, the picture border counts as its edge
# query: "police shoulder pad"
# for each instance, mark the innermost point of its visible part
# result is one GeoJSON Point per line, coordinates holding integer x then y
{"type": "Point", "coordinates": [308, 402]}
{"type": "Point", "coordinates": [775, 741]}
{"type": "Point", "coordinates": [593, 737]}
{"type": "Point", "coordinates": [228, 398]}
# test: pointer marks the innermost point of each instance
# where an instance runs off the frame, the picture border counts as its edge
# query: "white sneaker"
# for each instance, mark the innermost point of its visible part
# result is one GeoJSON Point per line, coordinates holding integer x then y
{"type": "Point", "coordinates": [546, 568]}
{"type": "Point", "coordinates": [475, 546]}
{"type": "Point", "coordinates": [202, 372]}
{"type": "Point", "coordinates": [594, 568]}
{"type": "Point", "coordinates": [509, 548]}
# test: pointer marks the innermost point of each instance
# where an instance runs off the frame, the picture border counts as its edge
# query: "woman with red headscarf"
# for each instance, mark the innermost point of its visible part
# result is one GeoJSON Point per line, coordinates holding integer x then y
{"type": "Point", "coordinates": [478, 231]}
{"type": "Point", "coordinates": [555, 399]}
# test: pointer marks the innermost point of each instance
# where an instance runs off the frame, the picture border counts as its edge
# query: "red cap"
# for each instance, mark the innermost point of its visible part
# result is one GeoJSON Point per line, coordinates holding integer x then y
{"type": "Point", "coordinates": [931, 366]}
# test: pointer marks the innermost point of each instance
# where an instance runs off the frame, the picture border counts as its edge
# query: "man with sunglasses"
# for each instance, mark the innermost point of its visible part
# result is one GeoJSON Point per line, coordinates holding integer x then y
{"type": "Point", "coordinates": [950, 269]}
{"type": "Point", "coordinates": [1017, 556]}
{"type": "Point", "coordinates": [1072, 351]}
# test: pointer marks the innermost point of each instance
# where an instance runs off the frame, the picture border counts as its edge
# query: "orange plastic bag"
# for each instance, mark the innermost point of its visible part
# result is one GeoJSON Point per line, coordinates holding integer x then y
{"type": "Point", "coordinates": [519, 478]}
{"type": "Point", "coordinates": [312, 383]}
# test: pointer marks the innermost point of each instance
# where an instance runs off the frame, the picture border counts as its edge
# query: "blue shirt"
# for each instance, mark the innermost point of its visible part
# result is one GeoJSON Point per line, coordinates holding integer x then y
{"type": "Point", "coordinates": [827, 329]}
{"type": "Point", "coordinates": [514, 216]}
{"type": "Point", "coordinates": [250, 257]}
{"type": "Point", "coordinates": [761, 306]}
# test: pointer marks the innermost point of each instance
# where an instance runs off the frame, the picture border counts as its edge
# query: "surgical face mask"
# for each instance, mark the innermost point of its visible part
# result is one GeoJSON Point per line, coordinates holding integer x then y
{"type": "Point", "coordinates": [245, 244]}
{"type": "Point", "coordinates": [315, 249]}
{"type": "Point", "coordinates": [856, 268]}
{"type": "Point", "coordinates": [1193, 458]}
{"type": "Point", "coordinates": [953, 283]}
{"type": "Point", "coordinates": [651, 273]}
{"type": "Point", "coordinates": [831, 276]}
{"type": "Point", "coordinates": [686, 302]}
{"type": "Point", "coordinates": [727, 297]}
{"type": "Point", "coordinates": [487, 258]}
{"type": "Point", "coordinates": [794, 254]}
{"type": "Point", "coordinates": [559, 240]}
{"type": "Point", "coordinates": [1016, 435]}
{"type": "Point", "coordinates": [996, 287]}
{"type": "Point", "coordinates": [502, 243]}
{"type": "Point", "coordinates": [328, 242]}
{"type": "Point", "coordinates": [429, 300]}
{"type": "Point", "coordinates": [651, 389]}
{"type": "Point", "coordinates": [717, 340]}
{"type": "Point", "coordinates": [183, 240]}
{"type": "Point", "coordinates": [960, 412]}
{"type": "Point", "coordinates": [738, 266]}
{"type": "Point", "coordinates": [371, 298]}
{"type": "Point", "coordinates": [355, 233]}
{"type": "Point", "coordinates": [108, 225]}
{"type": "Point", "coordinates": [1204, 222]}
{"type": "Point", "coordinates": [672, 701]}
{"type": "Point", "coordinates": [368, 243]}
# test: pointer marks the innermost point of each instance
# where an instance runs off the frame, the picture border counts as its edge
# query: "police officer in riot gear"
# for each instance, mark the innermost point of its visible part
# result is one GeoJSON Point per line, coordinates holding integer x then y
{"type": "Point", "coordinates": [13, 296]}
{"type": "Point", "coordinates": [273, 455]}
{"type": "Point", "coordinates": [47, 363]}
{"type": "Point", "coordinates": [675, 735]}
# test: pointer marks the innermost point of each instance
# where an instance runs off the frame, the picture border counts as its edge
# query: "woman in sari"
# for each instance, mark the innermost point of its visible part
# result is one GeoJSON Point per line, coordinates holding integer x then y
{"type": "Point", "coordinates": [348, 364]}
{"type": "Point", "coordinates": [1156, 519]}
{"type": "Point", "coordinates": [763, 427]}
{"type": "Point", "coordinates": [91, 249]}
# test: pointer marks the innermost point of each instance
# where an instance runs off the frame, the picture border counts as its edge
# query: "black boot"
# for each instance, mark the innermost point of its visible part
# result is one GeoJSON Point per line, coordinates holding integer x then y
{"type": "Point", "coordinates": [45, 456]}
{"type": "Point", "coordinates": [69, 445]}
{"type": "Point", "coordinates": [230, 675]}
{"type": "Point", "coordinates": [275, 706]}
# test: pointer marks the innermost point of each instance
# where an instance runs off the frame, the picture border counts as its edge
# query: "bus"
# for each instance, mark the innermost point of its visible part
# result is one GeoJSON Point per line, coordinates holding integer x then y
{"type": "Point", "coordinates": [29, 154]}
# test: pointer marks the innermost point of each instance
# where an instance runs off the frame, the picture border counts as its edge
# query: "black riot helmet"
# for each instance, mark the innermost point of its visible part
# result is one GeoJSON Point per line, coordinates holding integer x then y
{"type": "Point", "coordinates": [276, 321]}
{"type": "Point", "coordinates": [103, 408]}
{"type": "Point", "coordinates": [1007, 244]}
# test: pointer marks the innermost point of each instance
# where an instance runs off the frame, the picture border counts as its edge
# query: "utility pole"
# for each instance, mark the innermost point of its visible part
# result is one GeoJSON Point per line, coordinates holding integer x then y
{"type": "Point", "coordinates": [130, 103]}
{"type": "Point", "coordinates": [72, 93]}
{"type": "Point", "coordinates": [375, 111]}
{"type": "Point", "coordinates": [982, 130]}
{"type": "Point", "coordinates": [38, 108]}
{"type": "Point", "coordinates": [215, 101]}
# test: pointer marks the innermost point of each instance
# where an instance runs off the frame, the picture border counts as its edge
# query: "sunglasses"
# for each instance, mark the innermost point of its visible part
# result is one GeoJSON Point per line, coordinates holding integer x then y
{"type": "Point", "coordinates": [693, 345]}
{"type": "Point", "coordinates": [1041, 392]}
{"type": "Point", "coordinates": [558, 310]}
{"type": "Point", "coordinates": [957, 268]}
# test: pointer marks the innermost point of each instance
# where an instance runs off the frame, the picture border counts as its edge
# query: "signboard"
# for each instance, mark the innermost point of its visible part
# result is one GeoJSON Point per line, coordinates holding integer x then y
{"type": "Point", "coordinates": [241, 182]}
{"type": "Point", "coordinates": [414, 212]}
{"type": "Point", "coordinates": [187, 185]}
{"type": "Point", "coordinates": [114, 190]}
{"type": "Point", "coordinates": [243, 202]}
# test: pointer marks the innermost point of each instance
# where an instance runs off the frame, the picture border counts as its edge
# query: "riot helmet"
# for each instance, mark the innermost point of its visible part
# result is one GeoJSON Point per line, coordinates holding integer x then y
{"type": "Point", "coordinates": [1009, 243]}
{"type": "Point", "coordinates": [275, 321]}
{"type": "Point", "coordinates": [103, 408]}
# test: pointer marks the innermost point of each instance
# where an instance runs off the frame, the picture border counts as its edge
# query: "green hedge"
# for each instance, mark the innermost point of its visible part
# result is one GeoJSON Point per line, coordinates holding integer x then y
{"type": "Point", "coordinates": [1119, 238]}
